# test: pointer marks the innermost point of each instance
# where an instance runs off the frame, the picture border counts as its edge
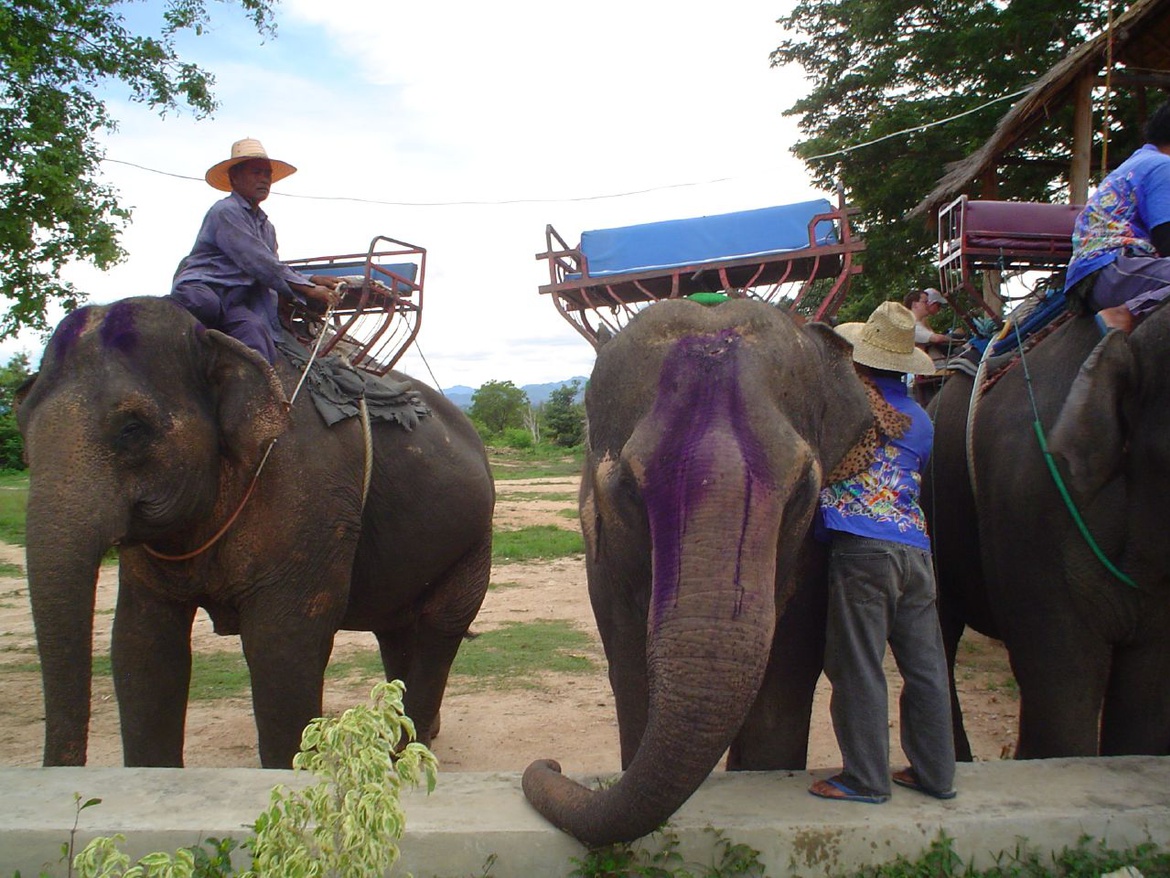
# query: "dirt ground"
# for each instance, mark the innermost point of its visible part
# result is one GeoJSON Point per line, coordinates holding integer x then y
{"type": "Point", "coordinates": [569, 717]}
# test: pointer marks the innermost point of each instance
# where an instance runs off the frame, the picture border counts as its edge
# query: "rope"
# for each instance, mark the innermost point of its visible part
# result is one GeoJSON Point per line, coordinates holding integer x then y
{"type": "Point", "coordinates": [1056, 477]}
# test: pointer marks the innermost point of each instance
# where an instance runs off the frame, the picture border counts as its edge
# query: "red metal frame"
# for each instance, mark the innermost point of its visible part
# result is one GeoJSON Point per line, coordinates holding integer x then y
{"type": "Point", "coordinates": [1022, 237]}
{"type": "Point", "coordinates": [591, 305]}
{"type": "Point", "coordinates": [376, 321]}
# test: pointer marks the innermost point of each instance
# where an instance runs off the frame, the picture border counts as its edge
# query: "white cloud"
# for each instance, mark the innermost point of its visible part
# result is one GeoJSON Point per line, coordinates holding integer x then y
{"type": "Point", "coordinates": [472, 102]}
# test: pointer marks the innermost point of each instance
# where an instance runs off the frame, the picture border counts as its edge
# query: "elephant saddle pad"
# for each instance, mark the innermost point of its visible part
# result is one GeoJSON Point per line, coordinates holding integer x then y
{"type": "Point", "coordinates": [337, 390]}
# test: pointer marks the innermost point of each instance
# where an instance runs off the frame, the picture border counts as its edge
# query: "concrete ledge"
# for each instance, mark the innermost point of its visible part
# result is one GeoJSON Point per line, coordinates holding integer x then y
{"type": "Point", "coordinates": [451, 833]}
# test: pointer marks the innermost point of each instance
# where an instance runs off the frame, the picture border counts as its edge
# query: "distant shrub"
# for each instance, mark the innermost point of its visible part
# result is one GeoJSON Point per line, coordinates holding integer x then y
{"type": "Point", "coordinates": [517, 437]}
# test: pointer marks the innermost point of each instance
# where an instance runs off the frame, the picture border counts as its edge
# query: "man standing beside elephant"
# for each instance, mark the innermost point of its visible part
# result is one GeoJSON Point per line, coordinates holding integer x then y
{"type": "Point", "coordinates": [1120, 267]}
{"type": "Point", "coordinates": [881, 584]}
{"type": "Point", "coordinates": [232, 277]}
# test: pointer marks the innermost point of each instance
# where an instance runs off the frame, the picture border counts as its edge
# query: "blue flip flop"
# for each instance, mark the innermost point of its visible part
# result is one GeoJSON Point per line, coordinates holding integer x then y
{"type": "Point", "coordinates": [908, 779]}
{"type": "Point", "coordinates": [835, 789]}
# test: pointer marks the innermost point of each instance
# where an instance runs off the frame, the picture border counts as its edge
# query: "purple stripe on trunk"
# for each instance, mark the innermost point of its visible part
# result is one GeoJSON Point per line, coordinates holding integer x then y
{"type": "Point", "coordinates": [118, 329]}
{"type": "Point", "coordinates": [698, 391]}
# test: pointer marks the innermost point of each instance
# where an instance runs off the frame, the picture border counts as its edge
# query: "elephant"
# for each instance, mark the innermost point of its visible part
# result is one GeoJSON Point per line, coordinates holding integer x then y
{"type": "Point", "coordinates": [1089, 651]}
{"type": "Point", "coordinates": [175, 443]}
{"type": "Point", "coordinates": [710, 430]}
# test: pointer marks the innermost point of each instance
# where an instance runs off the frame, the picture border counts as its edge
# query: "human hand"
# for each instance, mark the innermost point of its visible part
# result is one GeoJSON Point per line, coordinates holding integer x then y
{"type": "Point", "coordinates": [324, 280]}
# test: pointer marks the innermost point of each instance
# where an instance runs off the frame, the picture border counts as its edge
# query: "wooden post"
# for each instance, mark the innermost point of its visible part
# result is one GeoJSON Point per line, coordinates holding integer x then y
{"type": "Point", "coordinates": [1082, 146]}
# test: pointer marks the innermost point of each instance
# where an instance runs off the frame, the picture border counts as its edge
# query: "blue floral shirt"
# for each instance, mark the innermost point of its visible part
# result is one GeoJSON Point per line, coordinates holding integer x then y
{"type": "Point", "coordinates": [1118, 217]}
{"type": "Point", "coordinates": [882, 502]}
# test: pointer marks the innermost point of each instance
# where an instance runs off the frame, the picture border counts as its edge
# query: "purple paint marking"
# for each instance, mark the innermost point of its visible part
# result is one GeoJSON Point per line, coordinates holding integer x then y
{"type": "Point", "coordinates": [698, 389]}
{"type": "Point", "coordinates": [68, 332]}
{"type": "Point", "coordinates": [118, 330]}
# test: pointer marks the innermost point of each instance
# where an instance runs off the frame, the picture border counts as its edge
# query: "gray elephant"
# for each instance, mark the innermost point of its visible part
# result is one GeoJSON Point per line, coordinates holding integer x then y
{"type": "Point", "coordinates": [710, 432]}
{"type": "Point", "coordinates": [1089, 651]}
{"type": "Point", "coordinates": [146, 431]}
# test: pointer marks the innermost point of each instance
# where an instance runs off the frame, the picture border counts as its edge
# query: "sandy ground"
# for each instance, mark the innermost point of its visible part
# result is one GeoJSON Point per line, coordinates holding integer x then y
{"type": "Point", "coordinates": [569, 717]}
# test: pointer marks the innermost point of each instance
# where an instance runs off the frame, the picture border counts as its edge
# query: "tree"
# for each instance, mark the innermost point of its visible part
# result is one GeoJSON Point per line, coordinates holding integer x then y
{"type": "Point", "coordinates": [54, 57]}
{"type": "Point", "coordinates": [12, 376]}
{"type": "Point", "coordinates": [880, 67]}
{"type": "Point", "coordinates": [499, 405]}
{"type": "Point", "coordinates": [564, 418]}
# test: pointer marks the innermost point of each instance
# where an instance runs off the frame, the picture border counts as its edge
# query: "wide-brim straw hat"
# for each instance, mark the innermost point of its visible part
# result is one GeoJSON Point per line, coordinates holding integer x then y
{"type": "Point", "coordinates": [886, 341]}
{"type": "Point", "coordinates": [242, 151]}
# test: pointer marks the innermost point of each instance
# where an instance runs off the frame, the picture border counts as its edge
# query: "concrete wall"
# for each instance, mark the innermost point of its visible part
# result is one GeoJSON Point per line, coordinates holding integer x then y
{"type": "Point", "coordinates": [451, 833]}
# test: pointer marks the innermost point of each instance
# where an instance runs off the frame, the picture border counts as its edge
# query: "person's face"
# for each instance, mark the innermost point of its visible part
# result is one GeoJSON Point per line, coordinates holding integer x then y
{"type": "Point", "coordinates": [932, 308]}
{"type": "Point", "coordinates": [252, 179]}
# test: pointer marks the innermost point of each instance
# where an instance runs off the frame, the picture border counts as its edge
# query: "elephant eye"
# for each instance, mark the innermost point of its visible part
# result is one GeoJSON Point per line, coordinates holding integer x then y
{"type": "Point", "coordinates": [131, 435]}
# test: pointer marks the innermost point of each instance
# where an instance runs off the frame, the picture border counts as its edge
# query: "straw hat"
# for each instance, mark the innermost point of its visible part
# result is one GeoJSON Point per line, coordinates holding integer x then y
{"type": "Point", "coordinates": [242, 151]}
{"type": "Point", "coordinates": [886, 341]}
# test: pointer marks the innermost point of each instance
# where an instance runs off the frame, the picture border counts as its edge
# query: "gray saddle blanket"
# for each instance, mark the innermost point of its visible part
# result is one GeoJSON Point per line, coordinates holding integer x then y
{"type": "Point", "coordinates": [337, 390]}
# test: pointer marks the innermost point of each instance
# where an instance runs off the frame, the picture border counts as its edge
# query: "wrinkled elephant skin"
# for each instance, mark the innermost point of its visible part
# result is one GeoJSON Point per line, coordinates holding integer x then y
{"type": "Point", "coordinates": [1090, 653]}
{"type": "Point", "coordinates": [144, 430]}
{"type": "Point", "coordinates": [710, 430]}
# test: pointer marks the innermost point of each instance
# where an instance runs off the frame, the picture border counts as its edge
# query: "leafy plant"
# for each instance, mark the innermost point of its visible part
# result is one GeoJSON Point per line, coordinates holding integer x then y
{"type": "Point", "coordinates": [346, 825]}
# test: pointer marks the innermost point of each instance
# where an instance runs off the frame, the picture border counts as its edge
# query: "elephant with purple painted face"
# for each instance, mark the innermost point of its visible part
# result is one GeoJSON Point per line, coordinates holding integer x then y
{"type": "Point", "coordinates": [146, 431]}
{"type": "Point", "coordinates": [710, 433]}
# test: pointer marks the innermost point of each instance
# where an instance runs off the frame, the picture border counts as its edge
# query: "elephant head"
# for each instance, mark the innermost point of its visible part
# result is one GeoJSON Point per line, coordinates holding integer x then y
{"type": "Point", "coordinates": [710, 431]}
{"type": "Point", "coordinates": [111, 426]}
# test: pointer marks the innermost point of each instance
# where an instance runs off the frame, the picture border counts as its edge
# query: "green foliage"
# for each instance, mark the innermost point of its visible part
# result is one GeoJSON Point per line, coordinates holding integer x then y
{"type": "Point", "coordinates": [12, 377]}
{"type": "Point", "coordinates": [538, 542]}
{"type": "Point", "coordinates": [13, 506]}
{"type": "Point", "coordinates": [518, 438]}
{"type": "Point", "coordinates": [346, 825]}
{"type": "Point", "coordinates": [498, 405]}
{"type": "Point", "coordinates": [564, 419]}
{"type": "Point", "coordinates": [657, 856]}
{"type": "Point", "coordinates": [879, 67]}
{"type": "Point", "coordinates": [54, 58]}
{"type": "Point", "coordinates": [516, 652]}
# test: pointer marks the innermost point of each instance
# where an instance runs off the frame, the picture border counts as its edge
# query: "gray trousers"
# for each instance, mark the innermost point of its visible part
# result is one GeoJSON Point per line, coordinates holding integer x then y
{"type": "Point", "coordinates": [879, 592]}
{"type": "Point", "coordinates": [1141, 283]}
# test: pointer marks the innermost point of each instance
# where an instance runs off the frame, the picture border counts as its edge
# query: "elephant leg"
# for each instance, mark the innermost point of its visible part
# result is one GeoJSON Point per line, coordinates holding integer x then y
{"type": "Point", "coordinates": [1136, 714]}
{"type": "Point", "coordinates": [1062, 683]}
{"type": "Point", "coordinates": [422, 656]}
{"type": "Point", "coordinates": [775, 734]}
{"type": "Point", "coordinates": [287, 654]}
{"type": "Point", "coordinates": [952, 632]}
{"type": "Point", "coordinates": [151, 659]}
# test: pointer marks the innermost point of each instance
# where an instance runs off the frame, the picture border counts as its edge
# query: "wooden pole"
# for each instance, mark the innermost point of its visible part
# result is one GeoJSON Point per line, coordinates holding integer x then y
{"type": "Point", "coordinates": [1078, 175]}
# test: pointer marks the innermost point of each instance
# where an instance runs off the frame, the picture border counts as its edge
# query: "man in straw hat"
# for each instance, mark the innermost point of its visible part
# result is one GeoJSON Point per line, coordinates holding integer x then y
{"type": "Point", "coordinates": [881, 584]}
{"type": "Point", "coordinates": [232, 277]}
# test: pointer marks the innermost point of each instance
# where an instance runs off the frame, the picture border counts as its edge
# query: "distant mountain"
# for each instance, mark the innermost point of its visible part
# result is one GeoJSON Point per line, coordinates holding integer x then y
{"type": "Point", "coordinates": [461, 394]}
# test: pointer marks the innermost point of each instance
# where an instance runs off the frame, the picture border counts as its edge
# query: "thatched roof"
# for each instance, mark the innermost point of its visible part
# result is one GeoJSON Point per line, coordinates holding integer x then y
{"type": "Point", "coordinates": [1141, 41]}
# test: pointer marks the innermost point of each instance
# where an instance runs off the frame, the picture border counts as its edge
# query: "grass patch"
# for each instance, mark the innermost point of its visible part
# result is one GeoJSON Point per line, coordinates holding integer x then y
{"type": "Point", "coordinates": [13, 503]}
{"type": "Point", "coordinates": [508, 657]}
{"type": "Point", "coordinates": [11, 571]}
{"type": "Point", "coordinates": [513, 654]}
{"type": "Point", "coordinates": [550, 496]}
{"type": "Point", "coordinates": [492, 586]}
{"type": "Point", "coordinates": [569, 513]}
{"type": "Point", "coordinates": [534, 463]}
{"type": "Point", "coordinates": [540, 542]}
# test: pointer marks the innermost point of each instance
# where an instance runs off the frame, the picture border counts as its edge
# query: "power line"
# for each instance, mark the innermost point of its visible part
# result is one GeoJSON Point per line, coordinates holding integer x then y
{"type": "Point", "coordinates": [840, 152]}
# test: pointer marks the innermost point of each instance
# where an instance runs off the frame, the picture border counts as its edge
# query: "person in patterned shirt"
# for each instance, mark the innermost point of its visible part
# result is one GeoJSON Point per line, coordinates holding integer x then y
{"type": "Point", "coordinates": [881, 584]}
{"type": "Point", "coordinates": [1120, 267]}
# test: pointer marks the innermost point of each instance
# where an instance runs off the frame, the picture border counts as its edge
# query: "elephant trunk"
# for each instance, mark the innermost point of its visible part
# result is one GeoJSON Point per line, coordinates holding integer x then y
{"type": "Point", "coordinates": [715, 520]}
{"type": "Point", "coordinates": [63, 557]}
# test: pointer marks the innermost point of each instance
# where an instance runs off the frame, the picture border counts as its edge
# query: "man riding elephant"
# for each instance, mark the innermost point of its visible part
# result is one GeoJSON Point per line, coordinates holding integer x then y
{"type": "Point", "coordinates": [231, 279]}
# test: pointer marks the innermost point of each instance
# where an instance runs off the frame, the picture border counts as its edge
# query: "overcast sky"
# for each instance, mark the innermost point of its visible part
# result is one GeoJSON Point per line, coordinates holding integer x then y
{"type": "Point", "coordinates": [475, 125]}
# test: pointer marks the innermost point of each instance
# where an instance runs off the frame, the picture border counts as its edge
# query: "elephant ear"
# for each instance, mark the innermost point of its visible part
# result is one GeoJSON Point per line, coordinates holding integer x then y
{"type": "Point", "coordinates": [1090, 433]}
{"type": "Point", "coordinates": [847, 436]}
{"type": "Point", "coordinates": [250, 404]}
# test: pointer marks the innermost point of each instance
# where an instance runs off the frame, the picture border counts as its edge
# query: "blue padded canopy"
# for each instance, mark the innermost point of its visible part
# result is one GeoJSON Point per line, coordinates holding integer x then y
{"type": "Point", "coordinates": [677, 243]}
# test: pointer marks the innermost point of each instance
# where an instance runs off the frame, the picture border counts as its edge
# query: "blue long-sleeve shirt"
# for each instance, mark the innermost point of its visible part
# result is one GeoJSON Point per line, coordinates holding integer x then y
{"type": "Point", "coordinates": [235, 251]}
